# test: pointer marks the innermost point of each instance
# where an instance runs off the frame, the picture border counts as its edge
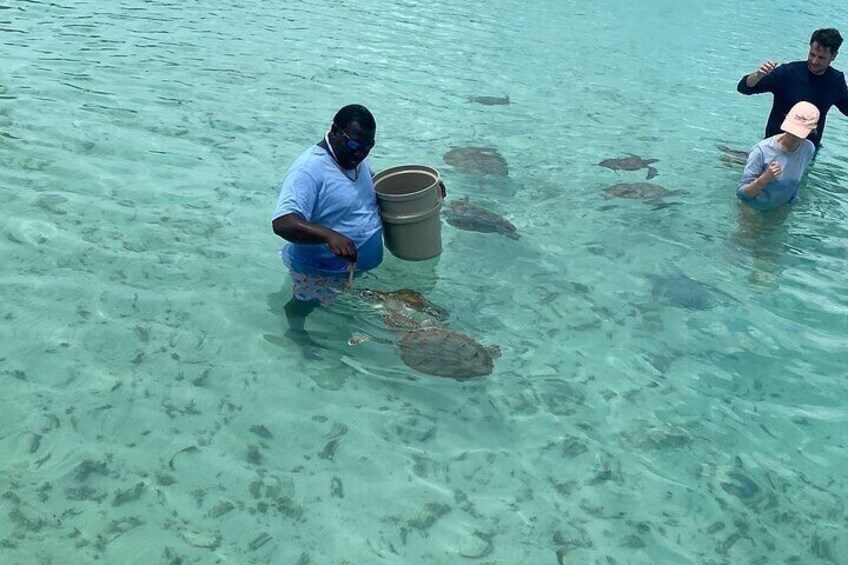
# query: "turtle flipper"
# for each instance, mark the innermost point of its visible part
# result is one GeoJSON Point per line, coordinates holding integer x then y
{"type": "Point", "coordinates": [652, 172]}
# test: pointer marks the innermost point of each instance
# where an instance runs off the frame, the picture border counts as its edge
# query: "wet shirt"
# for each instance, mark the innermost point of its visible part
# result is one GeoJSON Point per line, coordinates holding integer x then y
{"type": "Point", "coordinates": [792, 83]}
{"type": "Point", "coordinates": [783, 189]}
{"type": "Point", "coordinates": [318, 191]}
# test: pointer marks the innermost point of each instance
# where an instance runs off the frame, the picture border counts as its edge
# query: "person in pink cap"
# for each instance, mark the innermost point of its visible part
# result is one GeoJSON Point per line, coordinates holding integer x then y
{"type": "Point", "coordinates": [776, 165]}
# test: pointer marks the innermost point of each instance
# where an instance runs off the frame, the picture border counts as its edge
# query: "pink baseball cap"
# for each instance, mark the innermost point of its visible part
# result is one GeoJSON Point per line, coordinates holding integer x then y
{"type": "Point", "coordinates": [801, 119]}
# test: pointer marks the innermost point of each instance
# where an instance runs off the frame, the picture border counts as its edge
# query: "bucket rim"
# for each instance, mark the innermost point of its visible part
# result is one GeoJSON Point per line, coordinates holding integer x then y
{"type": "Point", "coordinates": [407, 168]}
{"type": "Point", "coordinates": [426, 170]}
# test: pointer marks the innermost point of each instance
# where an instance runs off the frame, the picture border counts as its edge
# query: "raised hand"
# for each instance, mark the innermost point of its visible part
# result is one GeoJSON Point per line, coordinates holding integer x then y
{"type": "Point", "coordinates": [767, 67]}
{"type": "Point", "coordinates": [772, 171]}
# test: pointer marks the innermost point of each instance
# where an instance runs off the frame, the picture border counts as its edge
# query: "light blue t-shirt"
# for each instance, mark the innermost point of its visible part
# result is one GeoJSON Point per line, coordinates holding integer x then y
{"type": "Point", "coordinates": [316, 189]}
{"type": "Point", "coordinates": [784, 188]}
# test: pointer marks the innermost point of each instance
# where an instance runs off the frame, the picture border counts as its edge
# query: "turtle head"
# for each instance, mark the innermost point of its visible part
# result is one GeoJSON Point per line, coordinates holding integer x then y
{"type": "Point", "coordinates": [370, 295]}
{"type": "Point", "coordinates": [494, 351]}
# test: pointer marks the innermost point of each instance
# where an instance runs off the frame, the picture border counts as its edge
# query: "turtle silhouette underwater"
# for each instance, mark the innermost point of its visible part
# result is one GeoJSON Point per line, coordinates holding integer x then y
{"type": "Point", "coordinates": [682, 292]}
{"type": "Point", "coordinates": [732, 156]}
{"type": "Point", "coordinates": [631, 163]}
{"type": "Point", "coordinates": [490, 100]}
{"type": "Point", "coordinates": [477, 161]}
{"type": "Point", "coordinates": [440, 352]}
{"type": "Point", "coordinates": [465, 216]}
{"type": "Point", "coordinates": [735, 481]}
{"type": "Point", "coordinates": [403, 302]}
{"type": "Point", "coordinates": [641, 190]}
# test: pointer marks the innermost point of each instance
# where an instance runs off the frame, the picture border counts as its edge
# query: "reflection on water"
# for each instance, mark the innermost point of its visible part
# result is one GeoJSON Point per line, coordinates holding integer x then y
{"type": "Point", "coordinates": [762, 235]}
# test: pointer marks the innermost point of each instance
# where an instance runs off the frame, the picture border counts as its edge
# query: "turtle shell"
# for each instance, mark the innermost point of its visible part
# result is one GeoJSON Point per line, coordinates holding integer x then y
{"type": "Point", "coordinates": [636, 190]}
{"type": "Point", "coordinates": [683, 292]}
{"type": "Point", "coordinates": [400, 302]}
{"type": "Point", "coordinates": [445, 353]}
{"type": "Point", "coordinates": [477, 161]}
{"type": "Point", "coordinates": [462, 215]}
{"type": "Point", "coordinates": [415, 301]}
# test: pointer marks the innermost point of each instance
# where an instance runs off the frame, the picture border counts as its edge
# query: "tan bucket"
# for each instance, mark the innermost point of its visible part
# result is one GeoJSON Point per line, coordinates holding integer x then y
{"type": "Point", "coordinates": [410, 198]}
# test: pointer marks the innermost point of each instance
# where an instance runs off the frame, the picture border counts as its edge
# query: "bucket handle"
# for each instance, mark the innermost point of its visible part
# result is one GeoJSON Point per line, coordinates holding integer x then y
{"type": "Point", "coordinates": [442, 189]}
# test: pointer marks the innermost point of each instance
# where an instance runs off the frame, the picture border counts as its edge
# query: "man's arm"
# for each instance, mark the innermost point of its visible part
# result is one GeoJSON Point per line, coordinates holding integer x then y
{"type": "Point", "coordinates": [298, 197]}
{"type": "Point", "coordinates": [754, 83]}
{"type": "Point", "coordinates": [292, 227]}
{"type": "Point", "coordinates": [842, 103]}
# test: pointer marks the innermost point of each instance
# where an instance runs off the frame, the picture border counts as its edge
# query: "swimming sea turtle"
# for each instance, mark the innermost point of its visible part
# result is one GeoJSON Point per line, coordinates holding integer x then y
{"type": "Point", "coordinates": [490, 100]}
{"type": "Point", "coordinates": [640, 190]}
{"type": "Point", "coordinates": [399, 302]}
{"type": "Point", "coordinates": [462, 215]}
{"type": "Point", "coordinates": [631, 163]}
{"type": "Point", "coordinates": [441, 352]}
{"type": "Point", "coordinates": [734, 481]}
{"type": "Point", "coordinates": [477, 161]}
{"type": "Point", "coordinates": [733, 156]}
{"type": "Point", "coordinates": [683, 292]}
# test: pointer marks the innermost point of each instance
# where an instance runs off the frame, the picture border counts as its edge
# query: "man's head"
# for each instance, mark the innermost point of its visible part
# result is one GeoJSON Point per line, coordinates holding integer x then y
{"type": "Point", "coordinates": [824, 45]}
{"type": "Point", "coordinates": [352, 135]}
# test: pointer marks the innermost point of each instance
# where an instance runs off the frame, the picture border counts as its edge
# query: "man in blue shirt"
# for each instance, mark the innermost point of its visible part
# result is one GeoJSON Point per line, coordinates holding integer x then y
{"type": "Point", "coordinates": [813, 80]}
{"type": "Point", "coordinates": [327, 211]}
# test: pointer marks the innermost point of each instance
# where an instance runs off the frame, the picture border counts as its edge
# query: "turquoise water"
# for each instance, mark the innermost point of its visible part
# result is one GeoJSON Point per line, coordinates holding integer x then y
{"type": "Point", "coordinates": [153, 412]}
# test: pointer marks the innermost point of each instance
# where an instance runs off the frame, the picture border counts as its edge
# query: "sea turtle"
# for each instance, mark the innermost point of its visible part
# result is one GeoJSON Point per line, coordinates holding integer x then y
{"type": "Point", "coordinates": [477, 161]}
{"type": "Point", "coordinates": [733, 156]}
{"type": "Point", "coordinates": [631, 163]}
{"type": "Point", "coordinates": [683, 292]}
{"type": "Point", "coordinates": [490, 100]}
{"type": "Point", "coordinates": [462, 215]}
{"type": "Point", "coordinates": [640, 190]}
{"type": "Point", "coordinates": [734, 481]}
{"type": "Point", "coordinates": [402, 302]}
{"type": "Point", "coordinates": [441, 352]}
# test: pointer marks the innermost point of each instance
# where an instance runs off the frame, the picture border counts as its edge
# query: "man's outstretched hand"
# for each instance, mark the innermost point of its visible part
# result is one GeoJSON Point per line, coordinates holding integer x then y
{"type": "Point", "coordinates": [342, 246]}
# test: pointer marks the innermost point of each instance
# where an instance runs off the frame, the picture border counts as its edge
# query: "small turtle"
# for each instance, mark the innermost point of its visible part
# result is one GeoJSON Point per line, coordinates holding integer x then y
{"type": "Point", "coordinates": [683, 292]}
{"type": "Point", "coordinates": [490, 100]}
{"type": "Point", "coordinates": [441, 352]}
{"type": "Point", "coordinates": [631, 163]}
{"type": "Point", "coordinates": [477, 161]}
{"type": "Point", "coordinates": [398, 302]}
{"type": "Point", "coordinates": [640, 190]}
{"type": "Point", "coordinates": [733, 156]}
{"type": "Point", "coordinates": [734, 481]}
{"type": "Point", "coordinates": [462, 215]}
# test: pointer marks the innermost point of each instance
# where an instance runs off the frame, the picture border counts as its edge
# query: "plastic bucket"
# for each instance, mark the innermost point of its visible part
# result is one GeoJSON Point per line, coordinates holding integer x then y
{"type": "Point", "coordinates": [410, 198]}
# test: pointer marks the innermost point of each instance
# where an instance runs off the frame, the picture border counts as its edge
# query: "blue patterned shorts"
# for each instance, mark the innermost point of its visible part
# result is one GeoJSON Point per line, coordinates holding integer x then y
{"type": "Point", "coordinates": [314, 288]}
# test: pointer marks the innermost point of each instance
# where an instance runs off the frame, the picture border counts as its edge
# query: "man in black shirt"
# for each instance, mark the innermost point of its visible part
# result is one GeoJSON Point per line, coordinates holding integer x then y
{"type": "Point", "coordinates": [813, 80]}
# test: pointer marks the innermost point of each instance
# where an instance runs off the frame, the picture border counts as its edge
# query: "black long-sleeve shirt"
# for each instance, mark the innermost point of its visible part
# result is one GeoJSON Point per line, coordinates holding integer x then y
{"type": "Point", "coordinates": [792, 83]}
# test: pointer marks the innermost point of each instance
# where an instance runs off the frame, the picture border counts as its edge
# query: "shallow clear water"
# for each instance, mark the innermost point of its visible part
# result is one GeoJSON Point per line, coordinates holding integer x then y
{"type": "Point", "coordinates": [152, 410]}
